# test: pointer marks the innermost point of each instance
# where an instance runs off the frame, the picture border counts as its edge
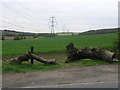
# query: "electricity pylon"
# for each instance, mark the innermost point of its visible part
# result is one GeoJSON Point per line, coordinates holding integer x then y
{"type": "Point", "coordinates": [52, 24]}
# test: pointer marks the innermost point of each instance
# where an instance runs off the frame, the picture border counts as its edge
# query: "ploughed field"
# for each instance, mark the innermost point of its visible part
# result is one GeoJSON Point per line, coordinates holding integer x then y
{"type": "Point", "coordinates": [57, 44]}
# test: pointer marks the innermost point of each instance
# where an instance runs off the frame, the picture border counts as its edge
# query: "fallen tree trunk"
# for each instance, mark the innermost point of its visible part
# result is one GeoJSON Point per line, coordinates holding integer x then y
{"type": "Point", "coordinates": [28, 55]}
{"type": "Point", "coordinates": [89, 52]}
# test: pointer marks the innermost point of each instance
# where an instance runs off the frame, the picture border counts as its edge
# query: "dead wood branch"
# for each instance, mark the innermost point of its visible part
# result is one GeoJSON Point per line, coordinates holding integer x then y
{"type": "Point", "coordinates": [28, 55]}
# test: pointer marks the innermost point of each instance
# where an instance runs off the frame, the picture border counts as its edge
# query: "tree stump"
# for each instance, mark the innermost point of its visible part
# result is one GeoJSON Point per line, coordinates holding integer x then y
{"type": "Point", "coordinates": [89, 52]}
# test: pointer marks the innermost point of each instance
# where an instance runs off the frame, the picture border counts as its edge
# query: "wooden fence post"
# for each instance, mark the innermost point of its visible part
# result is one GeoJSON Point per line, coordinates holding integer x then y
{"type": "Point", "coordinates": [32, 51]}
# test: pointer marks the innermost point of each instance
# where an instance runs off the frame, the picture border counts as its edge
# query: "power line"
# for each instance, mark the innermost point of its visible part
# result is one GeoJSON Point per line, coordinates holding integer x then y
{"type": "Point", "coordinates": [11, 20]}
{"type": "Point", "coordinates": [33, 12]}
{"type": "Point", "coordinates": [15, 21]}
{"type": "Point", "coordinates": [5, 5]}
{"type": "Point", "coordinates": [12, 24]}
{"type": "Point", "coordinates": [27, 10]}
{"type": "Point", "coordinates": [8, 19]}
{"type": "Point", "coordinates": [23, 14]}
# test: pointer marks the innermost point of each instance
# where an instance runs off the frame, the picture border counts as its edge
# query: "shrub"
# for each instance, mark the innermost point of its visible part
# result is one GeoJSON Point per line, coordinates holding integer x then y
{"type": "Point", "coordinates": [116, 47]}
{"type": "Point", "coordinates": [3, 37]}
{"type": "Point", "coordinates": [16, 38]}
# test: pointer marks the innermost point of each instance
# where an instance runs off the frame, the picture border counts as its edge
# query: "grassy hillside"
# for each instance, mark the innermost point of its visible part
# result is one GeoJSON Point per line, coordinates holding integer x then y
{"type": "Point", "coordinates": [100, 31]}
{"type": "Point", "coordinates": [57, 44]}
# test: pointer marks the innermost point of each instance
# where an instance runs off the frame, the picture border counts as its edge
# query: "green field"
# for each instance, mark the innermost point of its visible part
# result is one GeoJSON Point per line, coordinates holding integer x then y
{"type": "Point", "coordinates": [53, 45]}
{"type": "Point", "coordinates": [56, 44]}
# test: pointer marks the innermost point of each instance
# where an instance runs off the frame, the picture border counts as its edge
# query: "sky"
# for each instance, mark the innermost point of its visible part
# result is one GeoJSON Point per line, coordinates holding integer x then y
{"type": "Point", "coordinates": [72, 15]}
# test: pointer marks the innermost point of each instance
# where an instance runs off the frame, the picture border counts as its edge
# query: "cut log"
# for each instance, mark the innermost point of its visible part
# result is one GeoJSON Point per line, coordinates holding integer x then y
{"type": "Point", "coordinates": [89, 52]}
{"type": "Point", "coordinates": [28, 55]}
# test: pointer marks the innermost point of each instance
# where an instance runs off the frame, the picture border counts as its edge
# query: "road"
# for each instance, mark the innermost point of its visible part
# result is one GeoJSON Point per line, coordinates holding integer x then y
{"type": "Point", "coordinates": [99, 76]}
{"type": "Point", "coordinates": [106, 84]}
{"type": "Point", "coordinates": [84, 85]}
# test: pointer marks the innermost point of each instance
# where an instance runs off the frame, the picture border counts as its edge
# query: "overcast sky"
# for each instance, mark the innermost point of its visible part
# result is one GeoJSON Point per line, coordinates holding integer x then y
{"type": "Point", "coordinates": [75, 15]}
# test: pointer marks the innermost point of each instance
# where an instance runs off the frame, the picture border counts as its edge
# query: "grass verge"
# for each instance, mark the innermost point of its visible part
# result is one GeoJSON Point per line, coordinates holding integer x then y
{"type": "Point", "coordinates": [37, 66]}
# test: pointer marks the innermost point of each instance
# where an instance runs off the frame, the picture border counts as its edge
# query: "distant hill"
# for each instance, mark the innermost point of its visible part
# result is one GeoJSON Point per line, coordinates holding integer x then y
{"type": "Point", "coordinates": [100, 31]}
{"type": "Point", "coordinates": [90, 32]}
{"type": "Point", "coordinates": [16, 33]}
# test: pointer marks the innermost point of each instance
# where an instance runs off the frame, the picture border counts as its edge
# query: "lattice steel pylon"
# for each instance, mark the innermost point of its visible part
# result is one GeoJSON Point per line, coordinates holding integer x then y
{"type": "Point", "coordinates": [52, 24]}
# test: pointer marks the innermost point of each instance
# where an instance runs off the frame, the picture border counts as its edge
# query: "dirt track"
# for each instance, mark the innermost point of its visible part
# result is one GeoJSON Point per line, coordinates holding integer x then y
{"type": "Point", "coordinates": [91, 74]}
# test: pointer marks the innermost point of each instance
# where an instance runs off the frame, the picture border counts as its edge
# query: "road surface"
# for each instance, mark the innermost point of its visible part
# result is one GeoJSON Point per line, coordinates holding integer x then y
{"type": "Point", "coordinates": [99, 76]}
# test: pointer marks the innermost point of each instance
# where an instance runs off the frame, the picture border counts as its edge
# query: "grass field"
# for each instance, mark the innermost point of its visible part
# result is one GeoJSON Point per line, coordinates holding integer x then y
{"type": "Point", "coordinates": [56, 44]}
{"type": "Point", "coordinates": [53, 45]}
